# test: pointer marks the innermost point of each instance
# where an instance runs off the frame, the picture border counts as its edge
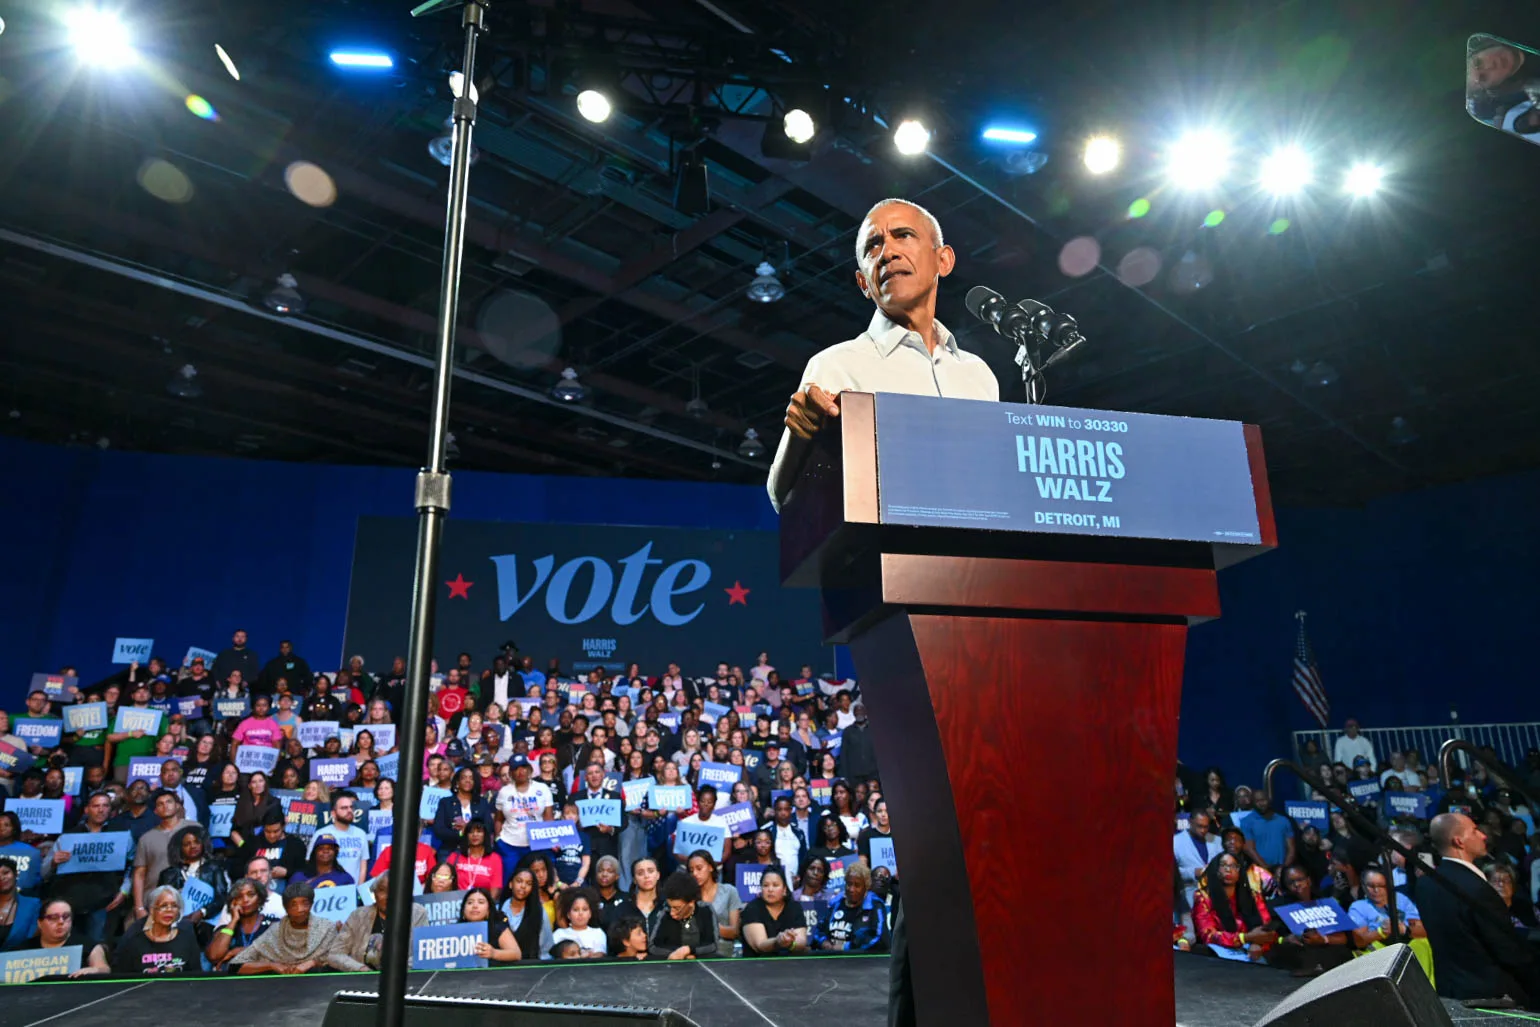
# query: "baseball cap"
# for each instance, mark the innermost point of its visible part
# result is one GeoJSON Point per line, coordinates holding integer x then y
{"type": "Point", "coordinates": [518, 761]}
{"type": "Point", "coordinates": [325, 838]}
{"type": "Point", "coordinates": [1361, 761]}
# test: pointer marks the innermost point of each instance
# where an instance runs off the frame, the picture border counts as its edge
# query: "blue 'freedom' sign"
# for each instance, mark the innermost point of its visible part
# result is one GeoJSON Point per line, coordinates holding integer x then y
{"type": "Point", "coordinates": [450, 947]}
{"type": "Point", "coordinates": [1303, 813]}
{"type": "Point", "coordinates": [1010, 466]}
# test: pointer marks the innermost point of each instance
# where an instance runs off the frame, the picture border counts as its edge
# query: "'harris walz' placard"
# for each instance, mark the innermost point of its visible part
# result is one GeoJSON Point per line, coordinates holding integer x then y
{"type": "Point", "coordinates": [1014, 467]}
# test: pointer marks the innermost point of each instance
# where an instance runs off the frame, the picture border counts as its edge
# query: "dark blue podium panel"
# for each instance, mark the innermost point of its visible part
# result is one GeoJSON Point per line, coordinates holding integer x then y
{"type": "Point", "coordinates": [1014, 467]}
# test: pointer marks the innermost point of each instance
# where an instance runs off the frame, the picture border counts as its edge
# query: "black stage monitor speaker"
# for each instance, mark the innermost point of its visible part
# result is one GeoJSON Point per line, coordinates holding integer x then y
{"type": "Point", "coordinates": [1383, 989]}
{"type": "Point", "coordinates": [360, 1009]}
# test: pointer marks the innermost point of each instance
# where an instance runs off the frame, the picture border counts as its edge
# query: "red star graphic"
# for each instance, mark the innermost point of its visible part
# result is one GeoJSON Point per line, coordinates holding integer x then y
{"type": "Point", "coordinates": [459, 588]}
{"type": "Point", "coordinates": [737, 594]}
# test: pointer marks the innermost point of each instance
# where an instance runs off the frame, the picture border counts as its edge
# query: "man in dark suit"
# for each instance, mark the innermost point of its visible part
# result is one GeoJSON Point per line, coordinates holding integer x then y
{"type": "Point", "coordinates": [1476, 953]}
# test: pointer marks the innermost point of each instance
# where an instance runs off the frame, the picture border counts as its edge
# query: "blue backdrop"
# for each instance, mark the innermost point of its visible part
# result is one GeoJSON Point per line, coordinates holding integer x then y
{"type": "Point", "coordinates": [1416, 601]}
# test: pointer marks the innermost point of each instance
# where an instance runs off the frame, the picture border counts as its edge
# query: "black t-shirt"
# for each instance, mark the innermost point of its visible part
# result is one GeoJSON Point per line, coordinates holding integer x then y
{"type": "Point", "coordinates": [864, 843]}
{"type": "Point", "coordinates": [140, 956]}
{"type": "Point", "coordinates": [757, 912]}
{"type": "Point", "coordinates": [289, 853]}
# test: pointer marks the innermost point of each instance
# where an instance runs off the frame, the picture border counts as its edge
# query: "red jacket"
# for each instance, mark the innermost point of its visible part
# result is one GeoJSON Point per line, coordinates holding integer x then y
{"type": "Point", "coordinates": [1211, 932]}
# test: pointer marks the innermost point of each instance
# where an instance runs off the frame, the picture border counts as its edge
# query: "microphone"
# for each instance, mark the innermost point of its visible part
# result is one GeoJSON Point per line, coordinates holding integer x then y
{"type": "Point", "coordinates": [991, 308]}
{"type": "Point", "coordinates": [1033, 325]}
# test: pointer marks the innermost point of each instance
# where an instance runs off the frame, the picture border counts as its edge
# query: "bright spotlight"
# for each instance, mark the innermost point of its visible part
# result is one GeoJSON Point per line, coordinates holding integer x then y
{"type": "Point", "coordinates": [1364, 179]}
{"type": "Point", "coordinates": [1199, 160]}
{"type": "Point", "coordinates": [1286, 171]}
{"type": "Point", "coordinates": [225, 59]}
{"type": "Point", "coordinates": [369, 59]}
{"type": "Point", "coordinates": [911, 137]}
{"type": "Point", "coordinates": [594, 106]}
{"type": "Point", "coordinates": [799, 126]}
{"type": "Point", "coordinates": [1102, 154]}
{"type": "Point", "coordinates": [1006, 134]}
{"type": "Point", "coordinates": [100, 38]}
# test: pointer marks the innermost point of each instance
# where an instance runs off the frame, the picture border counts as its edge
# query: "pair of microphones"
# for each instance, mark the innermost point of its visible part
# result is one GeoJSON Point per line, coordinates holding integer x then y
{"type": "Point", "coordinates": [1043, 337]}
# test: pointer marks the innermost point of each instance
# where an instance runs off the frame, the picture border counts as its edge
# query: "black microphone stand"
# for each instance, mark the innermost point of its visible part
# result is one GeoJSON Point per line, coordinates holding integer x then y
{"type": "Point", "coordinates": [432, 502]}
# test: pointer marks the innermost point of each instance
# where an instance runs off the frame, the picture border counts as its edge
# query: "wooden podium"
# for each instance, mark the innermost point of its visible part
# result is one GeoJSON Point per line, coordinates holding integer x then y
{"type": "Point", "coordinates": [1023, 684]}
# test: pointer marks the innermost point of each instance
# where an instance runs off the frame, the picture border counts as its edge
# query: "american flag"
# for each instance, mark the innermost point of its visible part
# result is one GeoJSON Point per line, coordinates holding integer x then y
{"type": "Point", "coordinates": [1307, 677]}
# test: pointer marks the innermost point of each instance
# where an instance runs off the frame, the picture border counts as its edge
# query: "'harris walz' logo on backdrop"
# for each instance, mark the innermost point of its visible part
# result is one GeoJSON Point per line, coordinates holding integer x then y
{"type": "Point", "coordinates": [578, 590]}
{"type": "Point", "coordinates": [1070, 468]}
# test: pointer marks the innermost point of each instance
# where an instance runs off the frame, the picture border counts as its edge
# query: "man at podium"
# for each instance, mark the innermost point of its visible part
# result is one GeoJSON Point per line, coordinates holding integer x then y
{"type": "Point", "coordinates": [901, 258]}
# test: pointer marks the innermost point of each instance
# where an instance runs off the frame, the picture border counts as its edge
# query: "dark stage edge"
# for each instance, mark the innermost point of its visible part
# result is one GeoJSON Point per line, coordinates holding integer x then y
{"type": "Point", "coordinates": [849, 990]}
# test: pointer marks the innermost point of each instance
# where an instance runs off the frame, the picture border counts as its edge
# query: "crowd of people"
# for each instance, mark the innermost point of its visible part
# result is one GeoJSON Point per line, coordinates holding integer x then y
{"type": "Point", "coordinates": [243, 811]}
{"type": "Point", "coordinates": [1349, 866]}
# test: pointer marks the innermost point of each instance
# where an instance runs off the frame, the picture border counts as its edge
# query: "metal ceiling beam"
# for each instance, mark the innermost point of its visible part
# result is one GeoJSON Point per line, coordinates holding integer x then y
{"type": "Point", "coordinates": [208, 295]}
{"type": "Point", "coordinates": [501, 240]}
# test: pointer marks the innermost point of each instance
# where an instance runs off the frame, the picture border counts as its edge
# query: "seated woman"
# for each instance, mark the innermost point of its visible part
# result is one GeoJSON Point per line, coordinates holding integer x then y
{"type": "Point", "coordinates": [576, 916]}
{"type": "Point", "coordinates": [725, 902]}
{"type": "Point", "coordinates": [500, 947]}
{"type": "Point", "coordinates": [297, 944]}
{"type": "Point", "coordinates": [1371, 914]}
{"type": "Point", "coordinates": [56, 930]}
{"type": "Point", "coordinates": [689, 929]}
{"type": "Point", "coordinates": [164, 946]}
{"type": "Point", "coordinates": [858, 922]}
{"type": "Point", "coordinates": [363, 933]}
{"type": "Point", "coordinates": [1307, 952]}
{"type": "Point", "coordinates": [773, 923]}
{"type": "Point", "coordinates": [1226, 912]}
{"type": "Point", "coordinates": [322, 870]}
{"type": "Point", "coordinates": [245, 923]}
{"type": "Point", "coordinates": [526, 916]}
{"type": "Point", "coordinates": [1505, 882]}
{"type": "Point", "coordinates": [628, 939]}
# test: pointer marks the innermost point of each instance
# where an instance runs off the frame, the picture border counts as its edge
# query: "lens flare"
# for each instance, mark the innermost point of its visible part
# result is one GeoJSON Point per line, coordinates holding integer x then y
{"type": "Point", "coordinates": [201, 107]}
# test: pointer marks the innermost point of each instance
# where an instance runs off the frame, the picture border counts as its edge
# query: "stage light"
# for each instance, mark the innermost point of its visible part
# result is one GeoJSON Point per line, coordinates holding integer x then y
{"type": "Point", "coordinates": [100, 38]}
{"type": "Point", "coordinates": [201, 107]}
{"type": "Point", "coordinates": [1007, 134]}
{"type": "Point", "coordinates": [766, 287]}
{"type": "Point", "coordinates": [799, 126]}
{"type": "Point", "coordinates": [751, 447]}
{"type": "Point", "coordinates": [284, 298]}
{"type": "Point", "coordinates": [1102, 154]}
{"type": "Point", "coordinates": [594, 106]}
{"type": "Point", "coordinates": [229, 64]}
{"type": "Point", "coordinates": [1139, 208]}
{"type": "Point", "coordinates": [1286, 171]}
{"type": "Point", "coordinates": [569, 389]}
{"type": "Point", "coordinates": [1198, 160]}
{"type": "Point", "coordinates": [911, 137]}
{"type": "Point", "coordinates": [366, 59]}
{"type": "Point", "coordinates": [1364, 179]}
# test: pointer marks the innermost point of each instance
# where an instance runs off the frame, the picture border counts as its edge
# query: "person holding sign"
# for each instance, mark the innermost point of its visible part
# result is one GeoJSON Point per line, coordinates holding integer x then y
{"type": "Point", "coordinates": [705, 816]}
{"type": "Point", "coordinates": [1228, 914]}
{"type": "Point", "coordinates": [297, 944]}
{"type": "Point", "coordinates": [189, 861]}
{"type": "Point", "coordinates": [773, 924]}
{"type": "Point", "coordinates": [137, 742]}
{"type": "Point", "coordinates": [1308, 951]}
{"type": "Point", "coordinates": [501, 946]}
{"type": "Point", "coordinates": [56, 930]}
{"type": "Point", "coordinates": [164, 947]}
{"type": "Point", "coordinates": [517, 805]}
{"type": "Point", "coordinates": [94, 894]}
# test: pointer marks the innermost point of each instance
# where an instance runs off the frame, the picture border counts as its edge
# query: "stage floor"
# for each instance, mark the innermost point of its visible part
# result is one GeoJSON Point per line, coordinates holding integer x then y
{"type": "Point", "coordinates": [848, 990]}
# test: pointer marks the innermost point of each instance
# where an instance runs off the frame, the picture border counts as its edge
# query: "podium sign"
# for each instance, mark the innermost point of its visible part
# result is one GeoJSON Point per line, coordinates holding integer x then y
{"type": "Point", "coordinates": [1064, 552]}
{"type": "Point", "coordinates": [972, 464]}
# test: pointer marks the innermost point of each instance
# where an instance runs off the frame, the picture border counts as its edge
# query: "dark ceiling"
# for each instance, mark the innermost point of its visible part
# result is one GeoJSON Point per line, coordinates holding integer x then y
{"type": "Point", "coordinates": [1416, 305]}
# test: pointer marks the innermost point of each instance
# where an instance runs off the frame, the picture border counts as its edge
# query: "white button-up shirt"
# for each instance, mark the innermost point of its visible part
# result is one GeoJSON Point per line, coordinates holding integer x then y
{"type": "Point", "coordinates": [890, 358]}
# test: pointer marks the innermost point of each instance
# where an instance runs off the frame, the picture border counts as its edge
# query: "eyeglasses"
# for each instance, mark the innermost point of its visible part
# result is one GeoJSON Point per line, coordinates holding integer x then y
{"type": "Point", "coordinates": [58, 918]}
